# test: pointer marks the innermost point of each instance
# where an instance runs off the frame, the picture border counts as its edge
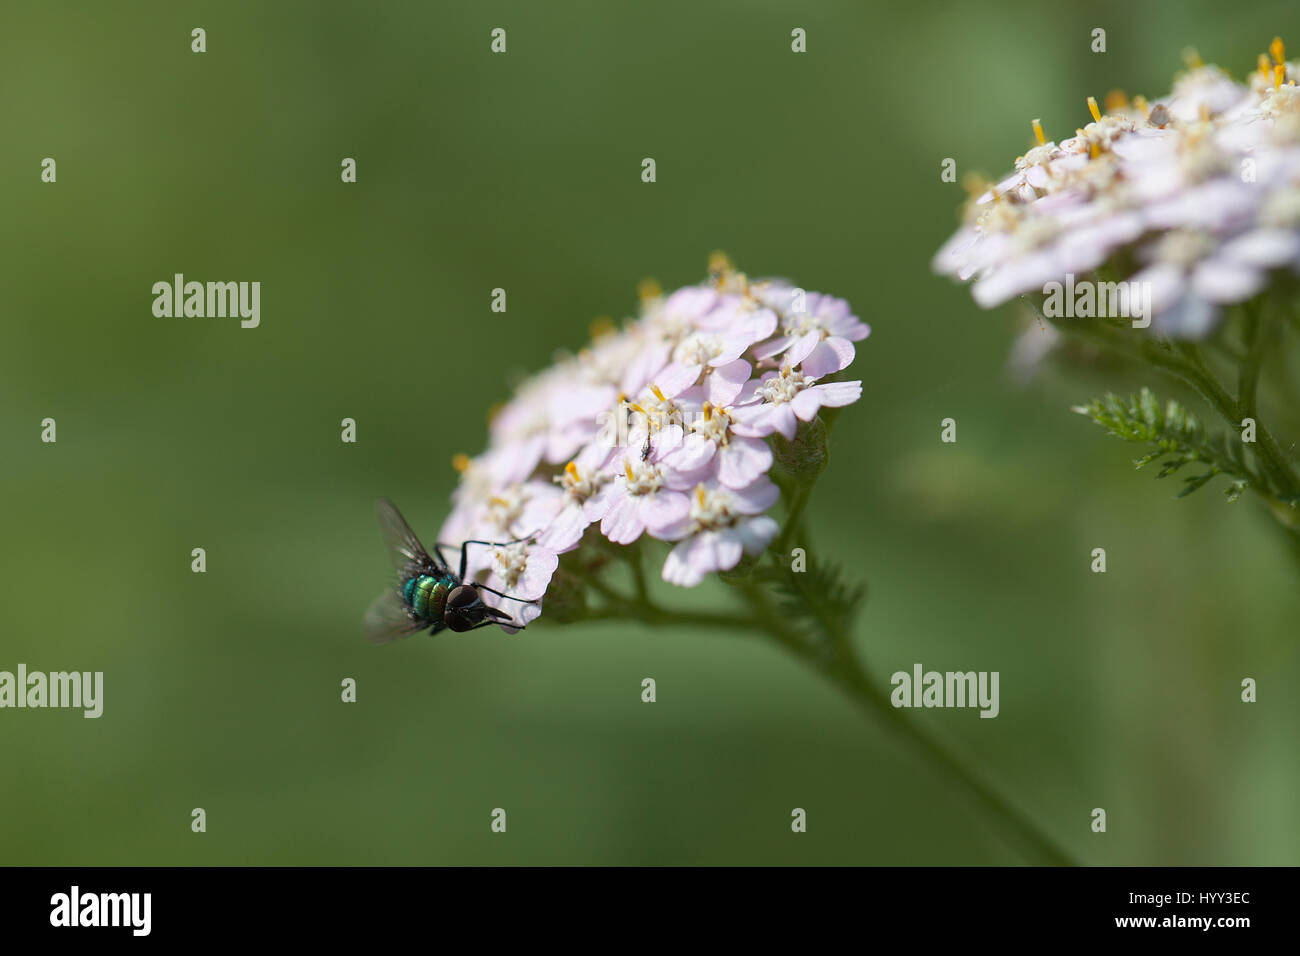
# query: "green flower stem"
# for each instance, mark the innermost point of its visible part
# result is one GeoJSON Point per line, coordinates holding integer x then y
{"type": "Point", "coordinates": [838, 661]}
{"type": "Point", "coordinates": [1252, 362]}
{"type": "Point", "coordinates": [796, 502]}
{"type": "Point", "coordinates": [1271, 458]}
{"type": "Point", "coordinates": [834, 656]}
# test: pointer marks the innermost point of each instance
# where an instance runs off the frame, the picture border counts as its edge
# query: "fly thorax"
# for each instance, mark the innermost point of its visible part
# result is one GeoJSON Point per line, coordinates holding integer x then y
{"type": "Point", "coordinates": [783, 387]}
{"type": "Point", "coordinates": [426, 595]}
{"type": "Point", "coordinates": [643, 477]}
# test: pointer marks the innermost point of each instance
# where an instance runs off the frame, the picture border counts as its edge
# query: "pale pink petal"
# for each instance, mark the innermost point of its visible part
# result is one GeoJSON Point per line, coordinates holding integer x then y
{"type": "Point", "coordinates": [773, 347]}
{"type": "Point", "coordinates": [806, 404]}
{"type": "Point", "coordinates": [676, 378]}
{"type": "Point", "coordinates": [1269, 248]}
{"type": "Point", "coordinates": [1191, 317]}
{"type": "Point", "coordinates": [1222, 281]}
{"type": "Point", "coordinates": [742, 460]}
{"type": "Point", "coordinates": [830, 356]}
{"type": "Point", "coordinates": [758, 421]}
{"type": "Point", "coordinates": [622, 524]}
{"type": "Point", "coordinates": [695, 452]}
{"type": "Point", "coordinates": [662, 510]}
{"type": "Point", "coordinates": [756, 498]}
{"type": "Point", "coordinates": [1166, 283]}
{"type": "Point", "coordinates": [756, 533]}
{"type": "Point", "coordinates": [600, 504]}
{"type": "Point", "coordinates": [565, 531]}
{"type": "Point", "coordinates": [802, 348]}
{"type": "Point", "coordinates": [667, 440]}
{"type": "Point", "coordinates": [726, 382]}
{"type": "Point", "coordinates": [537, 574]}
{"type": "Point", "coordinates": [837, 394]}
{"type": "Point", "coordinates": [702, 554]}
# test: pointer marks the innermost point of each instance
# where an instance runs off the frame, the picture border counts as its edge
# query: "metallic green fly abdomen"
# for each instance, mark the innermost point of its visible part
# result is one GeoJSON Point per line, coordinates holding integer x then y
{"type": "Point", "coordinates": [427, 593]}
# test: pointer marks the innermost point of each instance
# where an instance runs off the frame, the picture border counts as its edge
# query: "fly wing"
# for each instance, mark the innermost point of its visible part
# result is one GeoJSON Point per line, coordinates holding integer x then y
{"type": "Point", "coordinates": [404, 548]}
{"type": "Point", "coordinates": [387, 619]}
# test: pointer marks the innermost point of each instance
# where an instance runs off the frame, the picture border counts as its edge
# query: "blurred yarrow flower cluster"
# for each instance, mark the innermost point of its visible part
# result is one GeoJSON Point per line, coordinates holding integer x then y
{"type": "Point", "coordinates": [1183, 215]}
{"type": "Point", "coordinates": [1196, 194]}
{"type": "Point", "coordinates": [686, 426]}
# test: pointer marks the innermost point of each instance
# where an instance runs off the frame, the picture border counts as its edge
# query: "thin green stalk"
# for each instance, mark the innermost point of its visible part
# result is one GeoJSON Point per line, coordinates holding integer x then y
{"type": "Point", "coordinates": [837, 660]}
{"type": "Point", "coordinates": [621, 607]}
{"type": "Point", "coordinates": [1269, 453]}
{"type": "Point", "coordinates": [1252, 362]}
{"type": "Point", "coordinates": [636, 560]}
{"type": "Point", "coordinates": [844, 668]}
{"type": "Point", "coordinates": [649, 614]}
{"type": "Point", "coordinates": [796, 502]}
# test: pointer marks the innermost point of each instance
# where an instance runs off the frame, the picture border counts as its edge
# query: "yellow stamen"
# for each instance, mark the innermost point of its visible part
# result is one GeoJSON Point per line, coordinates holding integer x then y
{"type": "Point", "coordinates": [1092, 108]}
{"type": "Point", "coordinates": [1192, 59]}
{"type": "Point", "coordinates": [1038, 133]}
{"type": "Point", "coordinates": [974, 185]}
{"type": "Point", "coordinates": [649, 289]}
{"type": "Point", "coordinates": [1205, 112]}
{"type": "Point", "coordinates": [636, 408]}
{"type": "Point", "coordinates": [1115, 101]}
{"type": "Point", "coordinates": [699, 493]}
{"type": "Point", "coordinates": [571, 470]}
{"type": "Point", "coordinates": [627, 467]}
{"type": "Point", "coordinates": [658, 394]}
{"type": "Point", "coordinates": [708, 410]}
{"type": "Point", "coordinates": [601, 326]}
{"type": "Point", "coordinates": [1094, 150]}
{"type": "Point", "coordinates": [1140, 102]}
{"type": "Point", "coordinates": [719, 263]}
{"type": "Point", "coordinates": [494, 410]}
{"type": "Point", "coordinates": [460, 461]}
{"type": "Point", "coordinates": [1279, 73]}
{"type": "Point", "coordinates": [1278, 50]}
{"type": "Point", "coordinates": [1265, 65]}
{"type": "Point", "coordinates": [499, 502]}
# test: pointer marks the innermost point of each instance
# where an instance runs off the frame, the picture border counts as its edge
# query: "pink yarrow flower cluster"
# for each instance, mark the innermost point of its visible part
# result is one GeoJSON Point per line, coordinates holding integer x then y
{"type": "Point", "coordinates": [659, 429]}
{"type": "Point", "coordinates": [1196, 195]}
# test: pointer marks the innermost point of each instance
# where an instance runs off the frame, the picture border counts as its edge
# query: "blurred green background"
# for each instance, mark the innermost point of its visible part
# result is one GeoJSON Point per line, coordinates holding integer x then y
{"type": "Point", "coordinates": [523, 171]}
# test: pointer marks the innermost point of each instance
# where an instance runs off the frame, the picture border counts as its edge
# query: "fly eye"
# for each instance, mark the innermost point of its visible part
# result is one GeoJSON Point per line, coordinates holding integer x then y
{"type": "Point", "coordinates": [462, 596]}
